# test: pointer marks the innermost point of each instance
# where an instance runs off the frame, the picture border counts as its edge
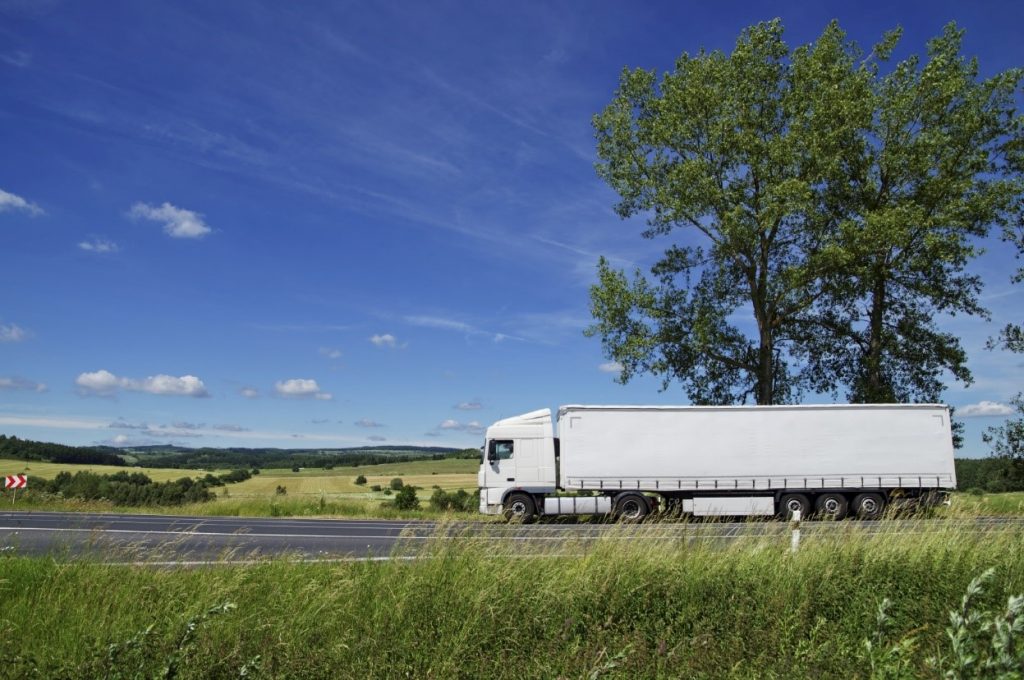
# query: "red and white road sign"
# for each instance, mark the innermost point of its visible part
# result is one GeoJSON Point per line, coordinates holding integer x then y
{"type": "Point", "coordinates": [15, 481]}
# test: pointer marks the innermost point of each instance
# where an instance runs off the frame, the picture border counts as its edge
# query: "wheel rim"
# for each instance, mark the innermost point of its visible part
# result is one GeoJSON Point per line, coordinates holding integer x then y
{"type": "Point", "coordinates": [869, 505]}
{"type": "Point", "coordinates": [518, 508]}
{"type": "Point", "coordinates": [831, 505]}
{"type": "Point", "coordinates": [794, 504]}
{"type": "Point", "coordinates": [631, 509]}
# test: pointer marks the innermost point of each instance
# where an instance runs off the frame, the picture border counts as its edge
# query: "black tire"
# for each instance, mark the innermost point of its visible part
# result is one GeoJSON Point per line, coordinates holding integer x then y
{"type": "Point", "coordinates": [519, 507]}
{"type": "Point", "coordinates": [794, 501]}
{"type": "Point", "coordinates": [869, 505]}
{"type": "Point", "coordinates": [631, 507]}
{"type": "Point", "coordinates": [831, 506]}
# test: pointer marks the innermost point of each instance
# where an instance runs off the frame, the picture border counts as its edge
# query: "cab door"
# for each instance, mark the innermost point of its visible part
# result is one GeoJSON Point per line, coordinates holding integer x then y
{"type": "Point", "coordinates": [501, 463]}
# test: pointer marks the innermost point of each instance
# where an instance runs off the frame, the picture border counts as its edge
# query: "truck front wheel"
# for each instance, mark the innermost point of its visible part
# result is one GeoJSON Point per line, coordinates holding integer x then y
{"type": "Point", "coordinates": [631, 507]}
{"type": "Point", "coordinates": [519, 507]}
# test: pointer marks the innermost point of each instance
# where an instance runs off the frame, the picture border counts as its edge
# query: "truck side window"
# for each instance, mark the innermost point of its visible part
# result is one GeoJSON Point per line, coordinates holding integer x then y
{"type": "Point", "coordinates": [502, 448]}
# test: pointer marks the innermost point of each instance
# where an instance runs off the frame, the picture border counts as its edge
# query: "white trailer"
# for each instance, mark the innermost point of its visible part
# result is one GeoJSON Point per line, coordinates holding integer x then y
{"type": "Point", "coordinates": [632, 461]}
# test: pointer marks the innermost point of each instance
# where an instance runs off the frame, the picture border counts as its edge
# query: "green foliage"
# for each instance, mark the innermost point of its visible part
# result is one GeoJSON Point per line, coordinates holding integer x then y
{"type": "Point", "coordinates": [837, 205]}
{"type": "Point", "coordinates": [26, 449]}
{"type": "Point", "coordinates": [635, 605]}
{"type": "Point", "coordinates": [993, 474]}
{"type": "Point", "coordinates": [406, 499]}
{"type": "Point", "coordinates": [127, 489]}
{"type": "Point", "coordinates": [459, 501]}
{"type": "Point", "coordinates": [375, 487]}
{"type": "Point", "coordinates": [397, 484]}
{"type": "Point", "coordinates": [360, 480]}
{"type": "Point", "coordinates": [280, 490]}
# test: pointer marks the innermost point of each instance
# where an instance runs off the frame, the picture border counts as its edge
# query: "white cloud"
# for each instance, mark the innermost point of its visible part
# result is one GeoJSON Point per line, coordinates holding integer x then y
{"type": "Point", "coordinates": [984, 409]}
{"type": "Point", "coordinates": [610, 367]}
{"type": "Point", "coordinates": [229, 428]}
{"type": "Point", "coordinates": [105, 383]}
{"type": "Point", "coordinates": [301, 388]}
{"type": "Point", "coordinates": [99, 246]}
{"type": "Point", "coordinates": [10, 201]}
{"type": "Point", "coordinates": [474, 405]}
{"type": "Point", "coordinates": [364, 422]}
{"type": "Point", "coordinates": [18, 58]}
{"type": "Point", "coordinates": [472, 427]}
{"type": "Point", "coordinates": [249, 392]}
{"type": "Point", "coordinates": [455, 325]}
{"type": "Point", "coordinates": [330, 352]}
{"type": "Point", "coordinates": [12, 333]}
{"type": "Point", "coordinates": [178, 222]}
{"type": "Point", "coordinates": [16, 383]}
{"type": "Point", "coordinates": [377, 438]}
{"type": "Point", "coordinates": [386, 340]}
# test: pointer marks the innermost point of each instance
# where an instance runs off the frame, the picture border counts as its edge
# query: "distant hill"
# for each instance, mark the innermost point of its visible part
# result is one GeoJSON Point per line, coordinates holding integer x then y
{"type": "Point", "coordinates": [168, 456]}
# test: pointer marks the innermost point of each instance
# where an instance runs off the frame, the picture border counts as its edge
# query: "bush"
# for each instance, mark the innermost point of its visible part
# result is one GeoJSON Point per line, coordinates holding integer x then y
{"type": "Point", "coordinates": [280, 490]}
{"type": "Point", "coordinates": [460, 501]}
{"type": "Point", "coordinates": [295, 468]}
{"type": "Point", "coordinates": [397, 484]}
{"type": "Point", "coordinates": [360, 480]}
{"type": "Point", "coordinates": [375, 487]}
{"type": "Point", "coordinates": [406, 499]}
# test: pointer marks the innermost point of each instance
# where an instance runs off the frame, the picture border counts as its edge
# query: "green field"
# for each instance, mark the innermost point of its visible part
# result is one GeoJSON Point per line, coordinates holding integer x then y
{"type": "Point", "coordinates": [632, 605]}
{"type": "Point", "coordinates": [35, 468]}
{"type": "Point", "coordinates": [450, 474]}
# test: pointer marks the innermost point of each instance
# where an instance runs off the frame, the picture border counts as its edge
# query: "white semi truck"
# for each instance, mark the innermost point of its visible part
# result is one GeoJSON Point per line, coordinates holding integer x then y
{"type": "Point", "coordinates": [632, 461]}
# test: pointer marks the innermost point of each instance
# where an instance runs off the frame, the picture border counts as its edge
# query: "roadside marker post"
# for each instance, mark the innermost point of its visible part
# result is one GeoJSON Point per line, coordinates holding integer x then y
{"type": "Point", "coordinates": [794, 524]}
{"type": "Point", "coordinates": [15, 482]}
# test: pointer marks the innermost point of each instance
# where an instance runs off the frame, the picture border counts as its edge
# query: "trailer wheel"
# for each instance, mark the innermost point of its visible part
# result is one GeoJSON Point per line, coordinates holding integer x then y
{"type": "Point", "coordinates": [869, 505]}
{"type": "Point", "coordinates": [792, 502]}
{"type": "Point", "coordinates": [631, 507]}
{"type": "Point", "coordinates": [519, 507]}
{"type": "Point", "coordinates": [831, 506]}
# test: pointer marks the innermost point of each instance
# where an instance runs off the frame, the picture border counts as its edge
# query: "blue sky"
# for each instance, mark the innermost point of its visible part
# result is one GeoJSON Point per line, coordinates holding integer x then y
{"type": "Point", "coordinates": [334, 224]}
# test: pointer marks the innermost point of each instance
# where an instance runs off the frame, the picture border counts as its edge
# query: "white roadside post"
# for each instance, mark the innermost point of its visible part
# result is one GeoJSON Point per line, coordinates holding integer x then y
{"type": "Point", "coordinates": [794, 524]}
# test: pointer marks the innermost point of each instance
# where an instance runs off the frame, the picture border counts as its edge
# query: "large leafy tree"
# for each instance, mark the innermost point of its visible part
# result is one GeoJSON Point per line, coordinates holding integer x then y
{"type": "Point", "coordinates": [934, 173]}
{"type": "Point", "coordinates": [800, 180]}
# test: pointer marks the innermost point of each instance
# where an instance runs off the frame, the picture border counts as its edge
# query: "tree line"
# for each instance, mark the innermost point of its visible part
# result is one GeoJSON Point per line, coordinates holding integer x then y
{"type": "Point", "coordinates": [135, 488]}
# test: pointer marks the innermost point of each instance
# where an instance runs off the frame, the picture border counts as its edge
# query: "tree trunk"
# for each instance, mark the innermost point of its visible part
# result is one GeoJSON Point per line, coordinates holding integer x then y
{"type": "Point", "coordinates": [874, 388]}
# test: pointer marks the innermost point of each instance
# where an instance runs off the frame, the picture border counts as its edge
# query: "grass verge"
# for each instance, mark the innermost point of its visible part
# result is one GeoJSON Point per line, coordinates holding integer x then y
{"type": "Point", "coordinates": [632, 604]}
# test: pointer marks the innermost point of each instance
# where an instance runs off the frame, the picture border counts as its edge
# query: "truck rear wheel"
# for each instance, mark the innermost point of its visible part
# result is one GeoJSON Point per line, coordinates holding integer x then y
{"type": "Point", "coordinates": [791, 502]}
{"type": "Point", "coordinates": [631, 507]}
{"type": "Point", "coordinates": [831, 506]}
{"type": "Point", "coordinates": [869, 505]}
{"type": "Point", "coordinates": [519, 507]}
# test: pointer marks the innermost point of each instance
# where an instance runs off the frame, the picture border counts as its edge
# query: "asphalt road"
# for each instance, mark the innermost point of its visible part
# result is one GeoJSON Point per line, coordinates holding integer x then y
{"type": "Point", "coordinates": [162, 539]}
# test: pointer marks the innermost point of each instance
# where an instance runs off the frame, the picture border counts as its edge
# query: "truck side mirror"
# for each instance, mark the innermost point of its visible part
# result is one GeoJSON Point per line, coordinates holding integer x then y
{"type": "Point", "coordinates": [492, 453]}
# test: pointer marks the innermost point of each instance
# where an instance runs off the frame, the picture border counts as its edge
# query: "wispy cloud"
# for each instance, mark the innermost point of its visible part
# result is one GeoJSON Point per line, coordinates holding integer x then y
{"type": "Point", "coordinates": [12, 332]}
{"type": "Point", "coordinates": [18, 59]}
{"type": "Point", "coordinates": [13, 202]}
{"type": "Point", "coordinates": [376, 438]}
{"type": "Point", "coordinates": [105, 383]}
{"type": "Point", "coordinates": [178, 222]}
{"type": "Point", "coordinates": [457, 326]}
{"type": "Point", "coordinates": [249, 392]}
{"type": "Point", "coordinates": [472, 427]}
{"type": "Point", "coordinates": [301, 388]}
{"type": "Point", "coordinates": [365, 422]}
{"type": "Point", "coordinates": [610, 367]}
{"type": "Point", "coordinates": [330, 352]}
{"type": "Point", "coordinates": [985, 409]}
{"type": "Point", "coordinates": [385, 340]}
{"type": "Point", "coordinates": [97, 245]}
{"type": "Point", "coordinates": [474, 405]}
{"type": "Point", "coordinates": [16, 383]}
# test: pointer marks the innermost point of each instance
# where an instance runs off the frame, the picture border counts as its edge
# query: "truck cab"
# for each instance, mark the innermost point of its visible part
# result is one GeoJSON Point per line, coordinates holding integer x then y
{"type": "Point", "coordinates": [518, 456]}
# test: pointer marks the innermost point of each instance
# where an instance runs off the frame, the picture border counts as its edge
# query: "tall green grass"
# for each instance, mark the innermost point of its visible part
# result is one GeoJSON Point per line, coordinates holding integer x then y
{"type": "Point", "coordinates": [638, 602]}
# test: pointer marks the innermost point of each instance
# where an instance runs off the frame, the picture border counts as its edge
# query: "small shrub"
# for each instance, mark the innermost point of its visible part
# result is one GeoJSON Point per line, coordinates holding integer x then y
{"type": "Point", "coordinates": [375, 487]}
{"type": "Point", "coordinates": [397, 484]}
{"type": "Point", "coordinates": [360, 480]}
{"type": "Point", "coordinates": [295, 468]}
{"type": "Point", "coordinates": [280, 490]}
{"type": "Point", "coordinates": [406, 499]}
